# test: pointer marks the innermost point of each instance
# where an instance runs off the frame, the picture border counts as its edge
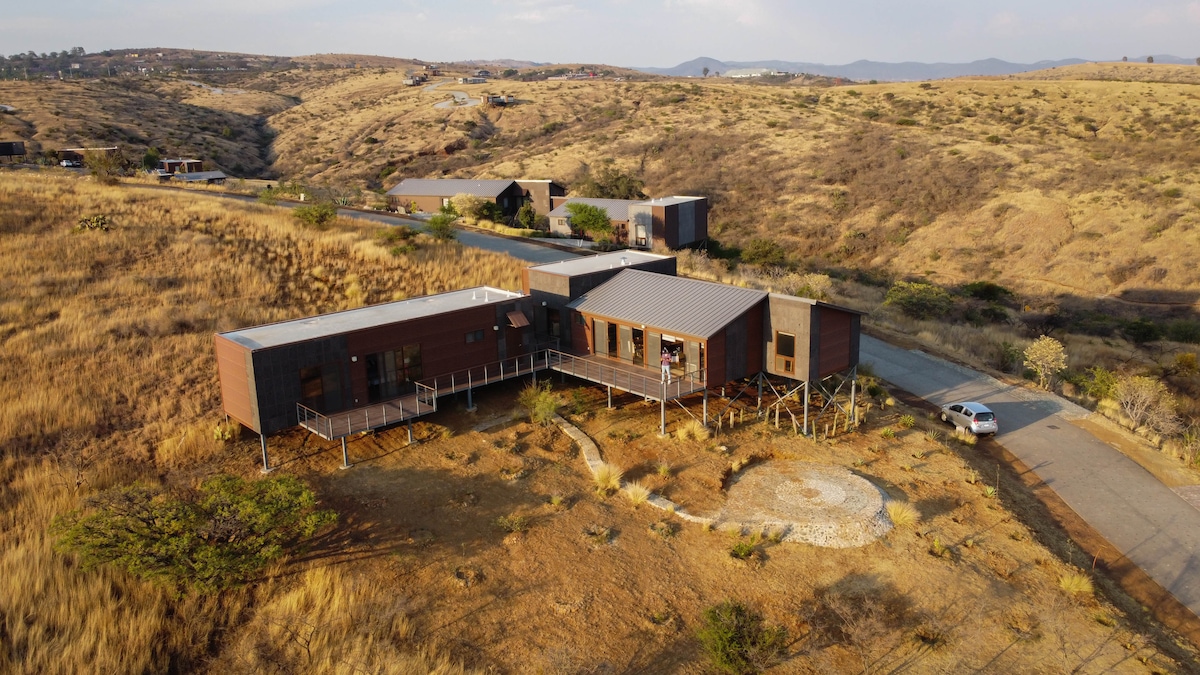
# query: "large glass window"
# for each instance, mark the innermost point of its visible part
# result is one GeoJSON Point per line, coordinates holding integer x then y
{"type": "Point", "coordinates": [390, 374]}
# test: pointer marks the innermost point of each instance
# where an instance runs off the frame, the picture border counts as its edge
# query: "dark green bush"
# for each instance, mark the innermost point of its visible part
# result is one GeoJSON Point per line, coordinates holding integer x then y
{"type": "Point", "coordinates": [1141, 331]}
{"type": "Point", "coordinates": [1184, 330]}
{"type": "Point", "coordinates": [223, 535]}
{"type": "Point", "coordinates": [737, 641]}
{"type": "Point", "coordinates": [986, 290]}
{"type": "Point", "coordinates": [441, 226]}
{"type": "Point", "coordinates": [764, 252]}
{"type": "Point", "coordinates": [319, 215]}
{"type": "Point", "coordinates": [920, 300]}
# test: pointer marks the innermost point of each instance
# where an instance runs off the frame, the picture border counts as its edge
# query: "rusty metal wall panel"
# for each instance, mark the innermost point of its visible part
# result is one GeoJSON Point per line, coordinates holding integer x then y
{"type": "Point", "coordinates": [233, 370]}
{"type": "Point", "coordinates": [835, 340]}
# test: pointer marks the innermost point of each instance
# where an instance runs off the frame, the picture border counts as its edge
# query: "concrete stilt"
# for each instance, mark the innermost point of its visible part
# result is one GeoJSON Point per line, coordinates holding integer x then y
{"type": "Point", "coordinates": [760, 382]}
{"type": "Point", "coordinates": [345, 455]}
{"type": "Point", "coordinates": [705, 407]}
{"type": "Point", "coordinates": [470, 404]}
{"type": "Point", "coordinates": [410, 432]}
{"type": "Point", "coordinates": [610, 397]}
{"type": "Point", "coordinates": [853, 393]}
{"type": "Point", "coordinates": [267, 468]}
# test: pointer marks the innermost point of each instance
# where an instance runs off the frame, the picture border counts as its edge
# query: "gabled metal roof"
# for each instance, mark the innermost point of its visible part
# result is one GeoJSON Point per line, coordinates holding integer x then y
{"type": "Point", "coordinates": [448, 187]}
{"type": "Point", "coordinates": [618, 209]}
{"type": "Point", "coordinates": [595, 263]}
{"type": "Point", "coordinates": [675, 305]}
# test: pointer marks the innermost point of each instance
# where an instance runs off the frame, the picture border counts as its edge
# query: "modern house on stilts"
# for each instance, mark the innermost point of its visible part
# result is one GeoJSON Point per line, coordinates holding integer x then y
{"type": "Point", "coordinates": [605, 319]}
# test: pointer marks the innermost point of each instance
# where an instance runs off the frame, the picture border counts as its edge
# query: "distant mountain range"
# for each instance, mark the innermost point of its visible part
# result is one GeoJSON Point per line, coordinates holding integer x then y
{"type": "Point", "coordinates": [876, 70]}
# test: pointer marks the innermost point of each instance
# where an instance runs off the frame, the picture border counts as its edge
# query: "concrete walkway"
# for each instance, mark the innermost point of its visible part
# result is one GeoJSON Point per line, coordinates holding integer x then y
{"type": "Point", "coordinates": [1148, 522]}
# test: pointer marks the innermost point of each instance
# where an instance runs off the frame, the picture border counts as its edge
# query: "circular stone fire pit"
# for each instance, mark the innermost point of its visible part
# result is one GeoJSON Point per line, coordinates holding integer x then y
{"type": "Point", "coordinates": [814, 503]}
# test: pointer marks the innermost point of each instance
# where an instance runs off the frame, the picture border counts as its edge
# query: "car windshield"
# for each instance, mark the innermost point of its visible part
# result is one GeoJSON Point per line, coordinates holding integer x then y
{"type": "Point", "coordinates": [984, 416]}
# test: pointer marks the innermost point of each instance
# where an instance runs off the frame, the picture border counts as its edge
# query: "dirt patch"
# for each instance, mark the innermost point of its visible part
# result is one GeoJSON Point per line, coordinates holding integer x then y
{"type": "Point", "coordinates": [507, 558]}
{"type": "Point", "coordinates": [1122, 581]}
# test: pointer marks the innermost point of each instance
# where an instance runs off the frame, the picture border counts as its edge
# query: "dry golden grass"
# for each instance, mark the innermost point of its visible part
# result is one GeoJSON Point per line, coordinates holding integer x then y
{"type": "Point", "coordinates": [110, 378]}
{"type": "Point", "coordinates": [902, 514]}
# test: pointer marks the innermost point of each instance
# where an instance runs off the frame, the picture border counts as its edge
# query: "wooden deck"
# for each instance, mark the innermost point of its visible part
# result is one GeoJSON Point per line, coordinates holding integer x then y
{"type": "Point", "coordinates": [635, 379]}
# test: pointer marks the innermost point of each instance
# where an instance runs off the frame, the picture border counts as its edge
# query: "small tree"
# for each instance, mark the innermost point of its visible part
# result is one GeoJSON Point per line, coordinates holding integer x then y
{"type": "Point", "coordinates": [919, 300]}
{"type": "Point", "coordinates": [1046, 357]}
{"type": "Point", "coordinates": [319, 215]}
{"type": "Point", "coordinates": [540, 401]}
{"type": "Point", "coordinates": [1149, 59]}
{"type": "Point", "coordinates": [223, 535]}
{"type": "Point", "coordinates": [527, 216]}
{"type": "Point", "coordinates": [105, 166]}
{"type": "Point", "coordinates": [704, 70]}
{"type": "Point", "coordinates": [150, 159]}
{"type": "Point", "coordinates": [610, 183]}
{"type": "Point", "coordinates": [467, 205]}
{"type": "Point", "coordinates": [736, 640]}
{"type": "Point", "coordinates": [590, 219]}
{"type": "Point", "coordinates": [1146, 401]}
{"type": "Point", "coordinates": [441, 227]}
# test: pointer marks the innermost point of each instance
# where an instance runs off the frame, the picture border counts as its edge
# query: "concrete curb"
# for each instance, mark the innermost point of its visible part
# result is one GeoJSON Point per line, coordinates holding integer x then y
{"type": "Point", "coordinates": [591, 455]}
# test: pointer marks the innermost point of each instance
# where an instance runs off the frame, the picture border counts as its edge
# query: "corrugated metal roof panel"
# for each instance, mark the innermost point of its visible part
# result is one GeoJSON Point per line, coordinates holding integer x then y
{"type": "Point", "coordinates": [448, 187]}
{"type": "Point", "coordinates": [618, 209]}
{"type": "Point", "coordinates": [675, 304]}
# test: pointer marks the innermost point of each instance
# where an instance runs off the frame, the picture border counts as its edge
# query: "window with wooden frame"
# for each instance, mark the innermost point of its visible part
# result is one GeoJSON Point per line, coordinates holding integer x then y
{"type": "Point", "coordinates": [785, 353]}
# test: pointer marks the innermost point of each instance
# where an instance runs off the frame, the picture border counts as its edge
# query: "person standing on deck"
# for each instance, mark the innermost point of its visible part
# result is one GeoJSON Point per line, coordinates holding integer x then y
{"type": "Point", "coordinates": [666, 366]}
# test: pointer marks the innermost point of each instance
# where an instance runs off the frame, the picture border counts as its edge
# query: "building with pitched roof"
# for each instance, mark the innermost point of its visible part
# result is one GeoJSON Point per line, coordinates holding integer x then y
{"type": "Point", "coordinates": [607, 319]}
{"type": "Point", "coordinates": [430, 194]}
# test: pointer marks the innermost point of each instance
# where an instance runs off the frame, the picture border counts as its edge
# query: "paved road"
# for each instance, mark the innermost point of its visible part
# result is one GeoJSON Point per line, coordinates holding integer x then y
{"type": "Point", "coordinates": [521, 250]}
{"type": "Point", "coordinates": [1144, 519]}
{"type": "Point", "coordinates": [460, 100]}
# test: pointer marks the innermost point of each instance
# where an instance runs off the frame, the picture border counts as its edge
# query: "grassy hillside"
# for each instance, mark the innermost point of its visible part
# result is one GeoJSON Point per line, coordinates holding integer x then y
{"type": "Point", "coordinates": [1059, 186]}
{"type": "Point", "coordinates": [1076, 181]}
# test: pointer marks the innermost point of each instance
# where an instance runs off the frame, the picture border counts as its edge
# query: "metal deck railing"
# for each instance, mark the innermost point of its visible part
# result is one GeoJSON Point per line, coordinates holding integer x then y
{"type": "Point", "coordinates": [341, 424]}
{"type": "Point", "coordinates": [635, 379]}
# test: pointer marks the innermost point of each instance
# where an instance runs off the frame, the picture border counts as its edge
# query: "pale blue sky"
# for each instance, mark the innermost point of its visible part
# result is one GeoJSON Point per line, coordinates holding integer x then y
{"type": "Point", "coordinates": [619, 32]}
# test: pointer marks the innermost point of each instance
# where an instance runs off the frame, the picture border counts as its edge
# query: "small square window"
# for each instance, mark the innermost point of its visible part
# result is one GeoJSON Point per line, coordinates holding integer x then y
{"type": "Point", "coordinates": [475, 336]}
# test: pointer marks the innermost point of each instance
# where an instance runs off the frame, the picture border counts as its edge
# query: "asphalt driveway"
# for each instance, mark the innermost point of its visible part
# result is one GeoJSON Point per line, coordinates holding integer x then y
{"type": "Point", "coordinates": [1147, 521]}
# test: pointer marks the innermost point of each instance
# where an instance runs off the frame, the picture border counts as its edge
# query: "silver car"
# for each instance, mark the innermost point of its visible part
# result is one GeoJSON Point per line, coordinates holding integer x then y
{"type": "Point", "coordinates": [976, 417]}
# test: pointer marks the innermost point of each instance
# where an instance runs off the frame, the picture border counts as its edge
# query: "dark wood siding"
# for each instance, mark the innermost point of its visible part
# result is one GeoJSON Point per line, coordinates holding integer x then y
{"type": "Point", "coordinates": [233, 369]}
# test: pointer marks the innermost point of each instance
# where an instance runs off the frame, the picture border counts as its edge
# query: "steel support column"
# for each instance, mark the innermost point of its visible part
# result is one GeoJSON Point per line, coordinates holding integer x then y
{"type": "Point", "coordinates": [345, 455]}
{"type": "Point", "coordinates": [267, 468]}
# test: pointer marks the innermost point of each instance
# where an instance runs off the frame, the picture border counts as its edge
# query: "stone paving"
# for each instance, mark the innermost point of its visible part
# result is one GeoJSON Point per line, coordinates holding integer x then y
{"type": "Point", "coordinates": [809, 503]}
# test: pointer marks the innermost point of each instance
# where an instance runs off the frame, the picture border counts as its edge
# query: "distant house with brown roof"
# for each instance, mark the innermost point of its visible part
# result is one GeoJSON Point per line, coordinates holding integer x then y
{"type": "Point", "coordinates": [430, 194]}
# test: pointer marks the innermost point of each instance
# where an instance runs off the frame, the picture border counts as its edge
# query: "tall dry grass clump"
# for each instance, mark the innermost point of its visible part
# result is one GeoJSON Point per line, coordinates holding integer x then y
{"type": "Point", "coordinates": [693, 430]}
{"type": "Point", "coordinates": [902, 514]}
{"type": "Point", "coordinates": [607, 478]}
{"type": "Point", "coordinates": [330, 621]}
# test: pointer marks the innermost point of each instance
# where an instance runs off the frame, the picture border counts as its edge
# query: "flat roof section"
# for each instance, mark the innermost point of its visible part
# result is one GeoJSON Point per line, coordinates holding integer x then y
{"type": "Point", "coordinates": [350, 320]}
{"type": "Point", "coordinates": [669, 201]}
{"type": "Point", "coordinates": [596, 263]}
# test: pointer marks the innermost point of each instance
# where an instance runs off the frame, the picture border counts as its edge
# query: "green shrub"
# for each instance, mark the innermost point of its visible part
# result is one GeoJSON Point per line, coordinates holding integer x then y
{"type": "Point", "coordinates": [441, 226]}
{"type": "Point", "coordinates": [1184, 330]}
{"type": "Point", "coordinates": [986, 290]}
{"type": "Point", "coordinates": [1141, 331]}
{"type": "Point", "coordinates": [540, 401]}
{"type": "Point", "coordinates": [1100, 382]}
{"type": "Point", "coordinates": [764, 252]}
{"type": "Point", "coordinates": [906, 122]}
{"type": "Point", "coordinates": [318, 215]}
{"type": "Point", "coordinates": [920, 300]}
{"type": "Point", "coordinates": [223, 535]}
{"type": "Point", "coordinates": [994, 139]}
{"type": "Point", "coordinates": [737, 641]}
